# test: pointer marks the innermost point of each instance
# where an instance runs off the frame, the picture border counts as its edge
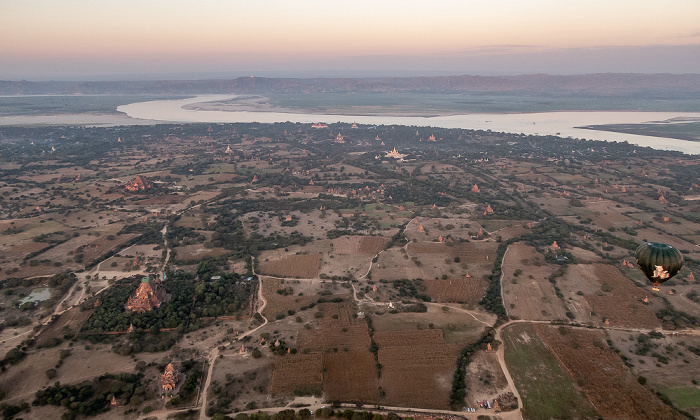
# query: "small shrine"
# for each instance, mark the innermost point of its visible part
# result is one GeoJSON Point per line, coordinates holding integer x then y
{"type": "Point", "coordinates": [170, 378]}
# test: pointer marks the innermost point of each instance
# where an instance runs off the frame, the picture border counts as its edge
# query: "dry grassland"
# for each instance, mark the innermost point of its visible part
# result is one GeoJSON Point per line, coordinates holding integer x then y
{"type": "Point", "coordinates": [280, 304]}
{"type": "Point", "coordinates": [530, 295]}
{"type": "Point", "coordinates": [198, 252]}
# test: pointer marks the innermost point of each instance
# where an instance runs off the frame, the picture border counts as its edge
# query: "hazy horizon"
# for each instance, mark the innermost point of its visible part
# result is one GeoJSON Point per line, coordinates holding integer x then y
{"type": "Point", "coordinates": [129, 40]}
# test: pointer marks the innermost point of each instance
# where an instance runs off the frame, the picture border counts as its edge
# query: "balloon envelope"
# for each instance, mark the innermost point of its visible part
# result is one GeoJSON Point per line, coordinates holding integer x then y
{"type": "Point", "coordinates": [658, 261]}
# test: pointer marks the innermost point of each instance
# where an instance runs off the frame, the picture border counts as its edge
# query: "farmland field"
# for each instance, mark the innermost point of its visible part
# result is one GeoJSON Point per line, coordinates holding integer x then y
{"type": "Point", "coordinates": [546, 389]}
{"type": "Point", "coordinates": [418, 375]}
{"type": "Point", "coordinates": [601, 374]}
{"type": "Point", "coordinates": [463, 290]}
{"type": "Point", "coordinates": [620, 301]}
{"type": "Point", "coordinates": [372, 244]}
{"type": "Point", "coordinates": [301, 266]}
{"type": "Point", "coordinates": [350, 376]}
{"type": "Point", "coordinates": [297, 372]}
{"type": "Point", "coordinates": [338, 330]}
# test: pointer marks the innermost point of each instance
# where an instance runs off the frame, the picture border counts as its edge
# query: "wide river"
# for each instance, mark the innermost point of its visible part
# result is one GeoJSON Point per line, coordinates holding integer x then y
{"type": "Point", "coordinates": [542, 123]}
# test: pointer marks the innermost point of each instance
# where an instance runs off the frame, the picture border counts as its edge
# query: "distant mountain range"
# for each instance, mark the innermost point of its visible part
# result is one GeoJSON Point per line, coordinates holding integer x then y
{"type": "Point", "coordinates": [617, 84]}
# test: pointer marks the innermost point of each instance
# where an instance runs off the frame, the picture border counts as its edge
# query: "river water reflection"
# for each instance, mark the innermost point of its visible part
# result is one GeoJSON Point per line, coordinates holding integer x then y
{"type": "Point", "coordinates": [543, 123]}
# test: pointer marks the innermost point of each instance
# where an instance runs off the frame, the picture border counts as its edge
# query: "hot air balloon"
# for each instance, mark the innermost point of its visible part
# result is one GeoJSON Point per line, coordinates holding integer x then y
{"type": "Point", "coordinates": [659, 262]}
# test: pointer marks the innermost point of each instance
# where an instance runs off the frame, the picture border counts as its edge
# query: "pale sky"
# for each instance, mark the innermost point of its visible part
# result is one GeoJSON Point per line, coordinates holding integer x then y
{"type": "Point", "coordinates": [44, 39]}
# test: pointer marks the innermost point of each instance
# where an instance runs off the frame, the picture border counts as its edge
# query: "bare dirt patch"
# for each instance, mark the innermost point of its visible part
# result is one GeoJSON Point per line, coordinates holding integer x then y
{"type": "Point", "coordinates": [485, 379]}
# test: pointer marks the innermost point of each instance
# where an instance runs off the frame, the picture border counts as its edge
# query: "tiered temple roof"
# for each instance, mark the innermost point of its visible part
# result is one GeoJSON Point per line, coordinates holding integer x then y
{"type": "Point", "coordinates": [147, 297]}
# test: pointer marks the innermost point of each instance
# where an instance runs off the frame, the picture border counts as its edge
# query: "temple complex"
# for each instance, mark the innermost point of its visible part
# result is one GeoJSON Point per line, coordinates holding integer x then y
{"type": "Point", "coordinates": [148, 296]}
{"type": "Point", "coordinates": [395, 154]}
{"type": "Point", "coordinates": [139, 184]}
{"type": "Point", "coordinates": [170, 378]}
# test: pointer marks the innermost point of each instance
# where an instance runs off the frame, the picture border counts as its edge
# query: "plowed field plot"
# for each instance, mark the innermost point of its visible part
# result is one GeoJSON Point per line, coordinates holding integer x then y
{"type": "Point", "coordinates": [279, 303]}
{"type": "Point", "coordinates": [70, 321]}
{"type": "Point", "coordinates": [462, 290]}
{"type": "Point", "coordinates": [418, 375]}
{"type": "Point", "coordinates": [338, 330]}
{"type": "Point", "coordinates": [372, 244]}
{"type": "Point", "coordinates": [619, 300]}
{"type": "Point", "coordinates": [608, 384]}
{"type": "Point", "coordinates": [386, 339]}
{"type": "Point", "coordinates": [301, 266]}
{"type": "Point", "coordinates": [335, 338]}
{"type": "Point", "coordinates": [100, 246]}
{"type": "Point", "coordinates": [529, 295]}
{"type": "Point", "coordinates": [351, 376]}
{"type": "Point", "coordinates": [546, 389]}
{"type": "Point", "coordinates": [339, 315]}
{"type": "Point", "coordinates": [475, 252]}
{"type": "Point", "coordinates": [298, 372]}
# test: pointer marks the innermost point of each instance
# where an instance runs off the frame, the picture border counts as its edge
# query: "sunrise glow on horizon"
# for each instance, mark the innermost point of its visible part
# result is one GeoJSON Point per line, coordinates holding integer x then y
{"type": "Point", "coordinates": [93, 37]}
